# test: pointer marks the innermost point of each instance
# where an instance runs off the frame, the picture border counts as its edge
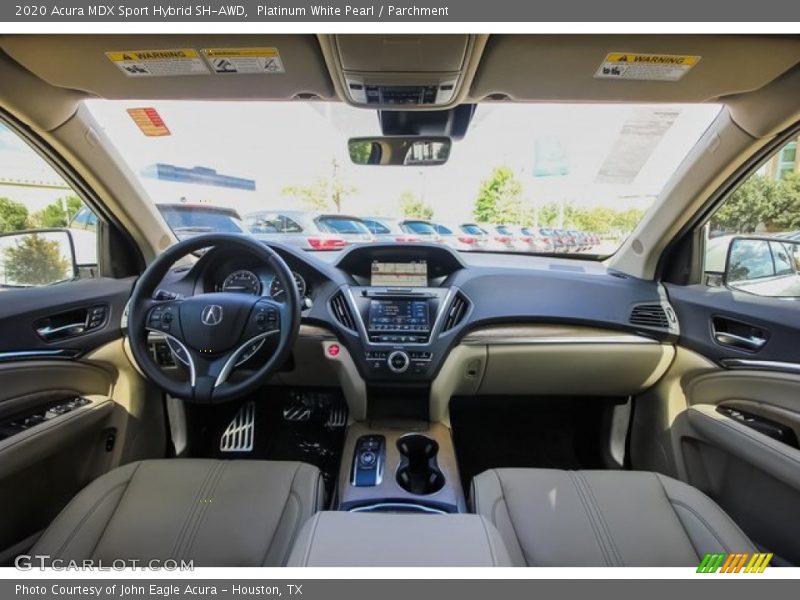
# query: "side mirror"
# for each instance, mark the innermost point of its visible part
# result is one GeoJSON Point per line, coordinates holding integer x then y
{"type": "Point", "coordinates": [400, 151]}
{"type": "Point", "coordinates": [34, 258]}
{"type": "Point", "coordinates": [764, 266]}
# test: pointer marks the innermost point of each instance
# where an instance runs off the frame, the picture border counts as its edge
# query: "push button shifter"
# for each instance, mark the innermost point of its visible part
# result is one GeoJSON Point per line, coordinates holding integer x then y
{"type": "Point", "coordinates": [368, 461]}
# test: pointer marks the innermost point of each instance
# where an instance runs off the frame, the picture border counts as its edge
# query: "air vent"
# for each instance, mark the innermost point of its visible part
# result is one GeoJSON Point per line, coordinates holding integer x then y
{"type": "Point", "coordinates": [456, 313]}
{"type": "Point", "coordinates": [649, 315]}
{"type": "Point", "coordinates": [341, 310]}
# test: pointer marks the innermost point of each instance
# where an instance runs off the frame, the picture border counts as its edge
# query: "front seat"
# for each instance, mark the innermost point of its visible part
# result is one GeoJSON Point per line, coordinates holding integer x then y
{"type": "Point", "coordinates": [603, 518]}
{"type": "Point", "coordinates": [216, 513]}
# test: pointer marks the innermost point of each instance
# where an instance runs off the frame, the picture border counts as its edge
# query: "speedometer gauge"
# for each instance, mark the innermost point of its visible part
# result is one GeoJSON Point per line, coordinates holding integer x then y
{"type": "Point", "coordinates": [244, 282]}
{"type": "Point", "coordinates": [276, 287]}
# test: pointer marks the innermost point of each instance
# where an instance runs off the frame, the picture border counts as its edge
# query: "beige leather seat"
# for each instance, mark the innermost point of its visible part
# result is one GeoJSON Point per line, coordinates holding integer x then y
{"type": "Point", "coordinates": [217, 513]}
{"type": "Point", "coordinates": [603, 518]}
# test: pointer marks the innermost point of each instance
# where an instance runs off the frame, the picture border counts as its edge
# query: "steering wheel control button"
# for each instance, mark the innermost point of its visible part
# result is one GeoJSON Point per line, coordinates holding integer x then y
{"type": "Point", "coordinates": [334, 350]}
{"type": "Point", "coordinates": [398, 362]}
{"type": "Point", "coordinates": [368, 461]}
{"type": "Point", "coordinates": [161, 318]}
{"type": "Point", "coordinates": [266, 318]}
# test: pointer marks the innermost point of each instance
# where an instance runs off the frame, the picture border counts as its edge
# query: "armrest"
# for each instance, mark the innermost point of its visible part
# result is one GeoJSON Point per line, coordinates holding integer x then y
{"type": "Point", "coordinates": [345, 539]}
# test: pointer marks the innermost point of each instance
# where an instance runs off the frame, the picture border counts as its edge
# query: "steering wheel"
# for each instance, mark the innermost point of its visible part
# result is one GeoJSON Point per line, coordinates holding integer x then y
{"type": "Point", "coordinates": [212, 333]}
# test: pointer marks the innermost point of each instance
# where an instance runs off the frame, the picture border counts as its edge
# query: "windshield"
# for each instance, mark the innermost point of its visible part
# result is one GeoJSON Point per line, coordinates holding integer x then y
{"type": "Point", "coordinates": [582, 175]}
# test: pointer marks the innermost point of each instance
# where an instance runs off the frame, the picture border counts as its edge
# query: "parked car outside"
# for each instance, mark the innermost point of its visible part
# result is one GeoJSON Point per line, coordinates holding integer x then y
{"type": "Point", "coordinates": [308, 230]}
{"type": "Point", "coordinates": [389, 229]}
{"type": "Point", "coordinates": [529, 240]}
{"type": "Point", "coordinates": [185, 220]}
{"type": "Point", "coordinates": [501, 237]}
{"type": "Point", "coordinates": [458, 239]}
{"type": "Point", "coordinates": [553, 239]}
{"type": "Point", "coordinates": [424, 229]}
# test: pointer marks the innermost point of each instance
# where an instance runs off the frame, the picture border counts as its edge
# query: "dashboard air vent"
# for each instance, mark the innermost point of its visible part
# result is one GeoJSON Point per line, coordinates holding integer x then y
{"type": "Point", "coordinates": [341, 310]}
{"type": "Point", "coordinates": [456, 312]}
{"type": "Point", "coordinates": [649, 315]}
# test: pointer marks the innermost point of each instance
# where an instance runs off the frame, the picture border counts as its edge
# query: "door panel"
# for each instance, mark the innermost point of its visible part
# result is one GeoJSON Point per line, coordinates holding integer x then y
{"type": "Point", "coordinates": [736, 436]}
{"type": "Point", "coordinates": [71, 407]}
{"type": "Point", "coordinates": [24, 311]}
{"type": "Point", "coordinates": [697, 306]}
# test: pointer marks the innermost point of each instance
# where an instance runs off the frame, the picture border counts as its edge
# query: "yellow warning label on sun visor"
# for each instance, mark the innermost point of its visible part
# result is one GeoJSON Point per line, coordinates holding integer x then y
{"type": "Point", "coordinates": [159, 63]}
{"type": "Point", "coordinates": [244, 61]}
{"type": "Point", "coordinates": [645, 67]}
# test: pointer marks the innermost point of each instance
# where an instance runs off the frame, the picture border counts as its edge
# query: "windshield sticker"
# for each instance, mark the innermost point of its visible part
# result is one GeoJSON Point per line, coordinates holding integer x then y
{"type": "Point", "coordinates": [159, 63]}
{"type": "Point", "coordinates": [149, 122]}
{"type": "Point", "coordinates": [646, 67]}
{"type": "Point", "coordinates": [634, 146]}
{"type": "Point", "coordinates": [245, 61]}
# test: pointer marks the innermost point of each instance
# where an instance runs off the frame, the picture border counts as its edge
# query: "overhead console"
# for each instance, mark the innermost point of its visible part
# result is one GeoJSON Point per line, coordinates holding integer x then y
{"type": "Point", "coordinates": [402, 71]}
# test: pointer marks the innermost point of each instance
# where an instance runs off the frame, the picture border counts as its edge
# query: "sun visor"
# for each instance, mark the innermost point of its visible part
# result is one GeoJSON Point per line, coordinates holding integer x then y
{"type": "Point", "coordinates": [210, 67]}
{"type": "Point", "coordinates": [629, 68]}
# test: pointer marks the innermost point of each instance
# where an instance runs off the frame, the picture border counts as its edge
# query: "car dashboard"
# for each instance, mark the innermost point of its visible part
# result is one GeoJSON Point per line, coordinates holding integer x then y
{"type": "Point", "coordinates": [410, 316]}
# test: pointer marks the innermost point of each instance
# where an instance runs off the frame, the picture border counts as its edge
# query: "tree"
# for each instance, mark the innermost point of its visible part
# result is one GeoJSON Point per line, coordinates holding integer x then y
{"type": "Point", "coordinates": [316, 196]}
{"type": "Point", "coordinates": [751, 204]}
{"type": "Point", "coordinates": [35, 260]}
{"type": "Point", "coordinates": [783, 214]}
{"type": "Point", "coordinates": [324, 192]}
{"type": "Point", "coordinates": [548, 215]}
{"type": "Point", "coordinates": [13, 216]}
{"type": "Point", "coordinates": [500, 198]}
{"type": "Point", "coordinates": [59, 213]}
{"type": "Point", "coordinates": [414, 208]}
{"type": "Point", "coordinates": [625, 221]}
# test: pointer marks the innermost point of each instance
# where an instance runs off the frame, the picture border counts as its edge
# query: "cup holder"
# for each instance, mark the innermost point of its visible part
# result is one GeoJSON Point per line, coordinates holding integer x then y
{"type": "Point", "coordinates": [418, 472]}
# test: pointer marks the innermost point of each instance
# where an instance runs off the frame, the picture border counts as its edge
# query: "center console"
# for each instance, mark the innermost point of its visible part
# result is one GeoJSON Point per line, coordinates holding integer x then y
{"type": "Point", "coordinates": [400, 470]}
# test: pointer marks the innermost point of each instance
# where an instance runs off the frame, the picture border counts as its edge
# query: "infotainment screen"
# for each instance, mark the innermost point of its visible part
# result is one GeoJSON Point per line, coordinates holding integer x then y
{"type": "Point", "coordinates": [405, 316]}
{"type": "Point", "coordinates": [407, 274]}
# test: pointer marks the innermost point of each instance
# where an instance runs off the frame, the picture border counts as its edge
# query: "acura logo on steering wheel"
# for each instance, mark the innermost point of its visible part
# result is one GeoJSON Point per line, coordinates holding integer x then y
{"type": "Point", "coordinates": [211, 315]}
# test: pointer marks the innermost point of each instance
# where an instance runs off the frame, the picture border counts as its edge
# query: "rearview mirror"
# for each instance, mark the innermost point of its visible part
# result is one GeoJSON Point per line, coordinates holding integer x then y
{"type": "Point", "coordinates": [764, 266]}
{"type": "Point", "coordinates": [399, 151]}
{"type": "Point", "coordinates": [33, 258]}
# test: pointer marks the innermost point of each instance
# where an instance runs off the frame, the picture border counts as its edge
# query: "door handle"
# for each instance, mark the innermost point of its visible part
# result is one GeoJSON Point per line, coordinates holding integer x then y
{"type": "Point", "coordinates": [752, 343]}
{"type": "Point", "coordinates": [70, 329]}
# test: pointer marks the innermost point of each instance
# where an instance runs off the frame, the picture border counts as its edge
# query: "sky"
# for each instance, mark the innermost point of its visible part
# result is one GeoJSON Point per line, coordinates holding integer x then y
{"type": "Point", "coordinates": [617, 155]}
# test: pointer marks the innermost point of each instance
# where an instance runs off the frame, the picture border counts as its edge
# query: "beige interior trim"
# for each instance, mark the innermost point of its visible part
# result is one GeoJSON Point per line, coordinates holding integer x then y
{"type": "Point", "coordinates": [715, 158]}
{"type": "Point", "coordinates": [550, 334]}
{"type": "Point", "coordinates": [560, 367]}
{"type": "Point", "coordinates": [653, 444]}
{"type": "Point", "coordinates": [78, 62]}
{"type": "Point", "coordinates": [561, 68]}
{"type": "Point", "coordinates": [415, 71]}
{"type": "Point", "coordinates": [139, 409]}
{"type": "Point", "coordinates": [460, 375]}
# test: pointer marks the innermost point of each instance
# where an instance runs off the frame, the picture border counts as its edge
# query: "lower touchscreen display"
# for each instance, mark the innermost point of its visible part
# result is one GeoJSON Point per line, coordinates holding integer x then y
{"type": "Point", "coordinates": [398, 316]}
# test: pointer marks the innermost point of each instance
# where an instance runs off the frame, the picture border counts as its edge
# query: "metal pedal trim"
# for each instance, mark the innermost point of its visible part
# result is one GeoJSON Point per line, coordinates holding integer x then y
{"type": "Point", "coordinates": [239, 435]}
